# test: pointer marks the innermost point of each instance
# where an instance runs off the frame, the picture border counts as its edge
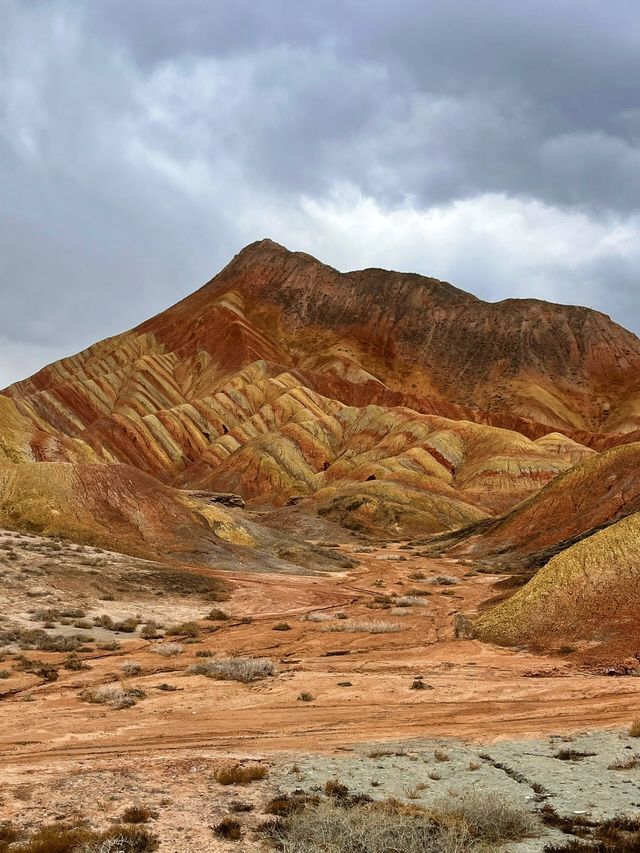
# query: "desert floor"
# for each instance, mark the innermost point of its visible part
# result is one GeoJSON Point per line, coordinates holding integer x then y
{"type": "Point", "coordinates": [343, 703]}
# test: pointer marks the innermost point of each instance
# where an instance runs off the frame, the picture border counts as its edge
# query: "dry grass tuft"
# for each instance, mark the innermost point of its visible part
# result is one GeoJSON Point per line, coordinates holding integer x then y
{"type": "Point", "coordinates": [634, 729]}
{"type": "Point", "coordinates": [185, 629]}
{"type": "Point", "coordinates": [236, 668]}
{"type": "Point", "coordinates": [114, 695]}
{"type": "Point", "coordinates": [240, 774]}
{"type": "Point", "coordinates": [167, 650]}
{"type": "Point", "coordinates": [217, 615]}
{"type": "Point", "coordinates": [138, 814]}
{"type": "Point", "coordinates": [488, 817]}
{"type": "Point", "coordinates": [228, 828]}
{"type": "Point", "coordinates": [626, 762]}
{"type": "Point", "coordinates": [58, 839]}
{"type": "Point", "coordinates": [409, 601]}
{"type": "Point", "coordinates": [317, 616]}
{"type": "Point", "coordinates": [366, 626]}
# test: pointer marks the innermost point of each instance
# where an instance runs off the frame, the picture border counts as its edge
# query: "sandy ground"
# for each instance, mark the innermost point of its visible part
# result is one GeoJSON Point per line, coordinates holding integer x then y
{"type": "Point", "coordinates": [65, 758]}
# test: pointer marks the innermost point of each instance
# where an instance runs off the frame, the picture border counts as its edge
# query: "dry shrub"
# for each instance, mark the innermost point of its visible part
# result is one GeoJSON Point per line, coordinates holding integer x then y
{"type": "Point", "coordinates": [58, 839]}
{"type": "Point", "coordinates": [240, 774]}
{"type": "Point", "coordinates": [572, 755]}
{"type": "Point", "coordinates": [634, 729]}
{"type": "Point", "coordinates": [282, 626]}
{"type": "Point", "coordinates": [138, 814]}
{"type": "Point", "coordinates": [626, 762]}
{"type": "Point", "coordinates": [229, 828]}
{"type": "Point", "coordinates": [367, 626]}
{"type": "Point", "coordinates": [167, 650]}
{"type": "Point", "coordinates": [114, 695]}
{"type": "Point", "coordinates": [149, 631]}
{"type": "Point", "coordinates": [409, 601]}
{"type": "Point", "coordinates": [334, 788]}
{"type": "Point", "coordinates": [131, 667]}
{"type": "Point", "coordinates": [109, 646]}
{"type": "Point", "coordinates": [317, 616]}
{"type": "Point", "coordinates": [305, 696]}
{"type": "Point", "coordinates": [217, 615]}
{"type": "Point", "coordinates": [74, 663]}
{"type": "Point", "coordinates": [127, 626]}
{"type": "Point", "coordinates": [333, 828]}
{"type": "Point", "coordinates": [41, 669]}
{"type": "Point", "coordinates": [184, 629]}
{"type": "Point", "coordinates": [484, 816]}
{"type": "Point", "coordinates": [36, 638]}
{"type": "Point", "coordinates": [284, 804]}
{"type": "Point", "coordinates": [235, 668]}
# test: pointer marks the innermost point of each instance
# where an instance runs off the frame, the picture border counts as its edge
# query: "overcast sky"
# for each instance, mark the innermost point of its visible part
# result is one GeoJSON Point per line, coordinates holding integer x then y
{"type": "Point", "coordinates": [491, 143]}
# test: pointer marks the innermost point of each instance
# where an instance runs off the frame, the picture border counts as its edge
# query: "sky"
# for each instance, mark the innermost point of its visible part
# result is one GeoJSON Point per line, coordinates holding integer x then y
{"type": "Point", "coordinates": [490, 143]}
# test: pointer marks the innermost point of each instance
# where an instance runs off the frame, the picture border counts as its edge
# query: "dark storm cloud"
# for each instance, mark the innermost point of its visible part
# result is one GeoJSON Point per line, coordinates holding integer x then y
{"type": "Point", "coordinates": [143, 142]}
{"type": "Point", "coordinates": [540, 98]}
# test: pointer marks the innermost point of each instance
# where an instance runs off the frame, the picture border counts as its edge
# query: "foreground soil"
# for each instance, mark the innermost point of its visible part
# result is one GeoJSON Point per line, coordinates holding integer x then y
{"type": "Point", "coordinates": [335, 693]}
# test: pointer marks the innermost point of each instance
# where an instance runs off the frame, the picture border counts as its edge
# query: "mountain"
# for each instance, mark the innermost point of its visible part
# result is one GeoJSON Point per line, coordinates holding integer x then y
{"type": "Point", "coordinates": [388, 403]}
{"type": "Point", "coordinates": [282, 378]}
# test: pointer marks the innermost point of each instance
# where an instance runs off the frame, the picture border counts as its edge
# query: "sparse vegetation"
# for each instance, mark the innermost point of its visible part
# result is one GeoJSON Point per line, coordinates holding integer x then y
{"type": "Point", "coordinates": [282, 626]}
{"type": "Point", "coordinates": [463, 823]}
{"type": "Point", "coordinates": [167, 650]}
{"type": "Point", "coordinates": [305, 696]}
{"type": "Point", "coordinates": [150, 630]}
{"type": "Point", "coordinates": [371, 626]}
{"type": "Point", "coordinates": [627, 762]}
{"type": "Point", "coordinates": [615, 835]}
{"type": "Point", "coordinates": [409, 601]}
{"type": "Point", "coordinates": [240, 774]}
{"type": "Point", "coordinates": [114, 695]}
{"type": "Point", "coordinates": [228, 828]}
{"type": "Point", "coordinates": [73, 662]}
{"type": "Point", "coordinates": [41, 669]}
{"type": "Point", "coordinates": [37, 638]}
{"type": "Point", "coordinates": [634, 729]}
{"type": "Point", "coordinates": [126, 626]}
{"type": "Point", "coordinates": [109, 646]}
{"type": "Point", "coordinates": [485, 816]}
{"type": "Point", "coordinates": [59, 839]}
{"type": "Point", "coordinates": [236, 668]}
{"type": "Point", "coordinates": [184, 629]}
{"type": "Point", "coordinates": [131, 667]}
{"type": "Point", "coordinates": [138, 814]}
{"type": "Point", "coordinates": [571, 755]}
{"type": "Point", "coordinates": [217, 615]}
{"type": "Point", "coordinates": [317, 616]}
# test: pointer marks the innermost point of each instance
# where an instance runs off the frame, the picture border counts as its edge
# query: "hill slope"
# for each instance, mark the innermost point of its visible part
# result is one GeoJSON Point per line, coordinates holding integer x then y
{"type": "Point", "coordinates": [282, 378]}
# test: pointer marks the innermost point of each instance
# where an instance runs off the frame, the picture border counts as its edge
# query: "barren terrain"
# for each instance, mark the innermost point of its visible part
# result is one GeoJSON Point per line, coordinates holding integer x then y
{"type": "Point", "coordinates": [397, 676]}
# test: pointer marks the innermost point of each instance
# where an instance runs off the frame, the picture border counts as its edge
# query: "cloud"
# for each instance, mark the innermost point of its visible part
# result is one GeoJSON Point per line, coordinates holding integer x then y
{"type": "Point", "coordinates": [530, 249]}
{"type": "Point", "coordinates": [141, 145]}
